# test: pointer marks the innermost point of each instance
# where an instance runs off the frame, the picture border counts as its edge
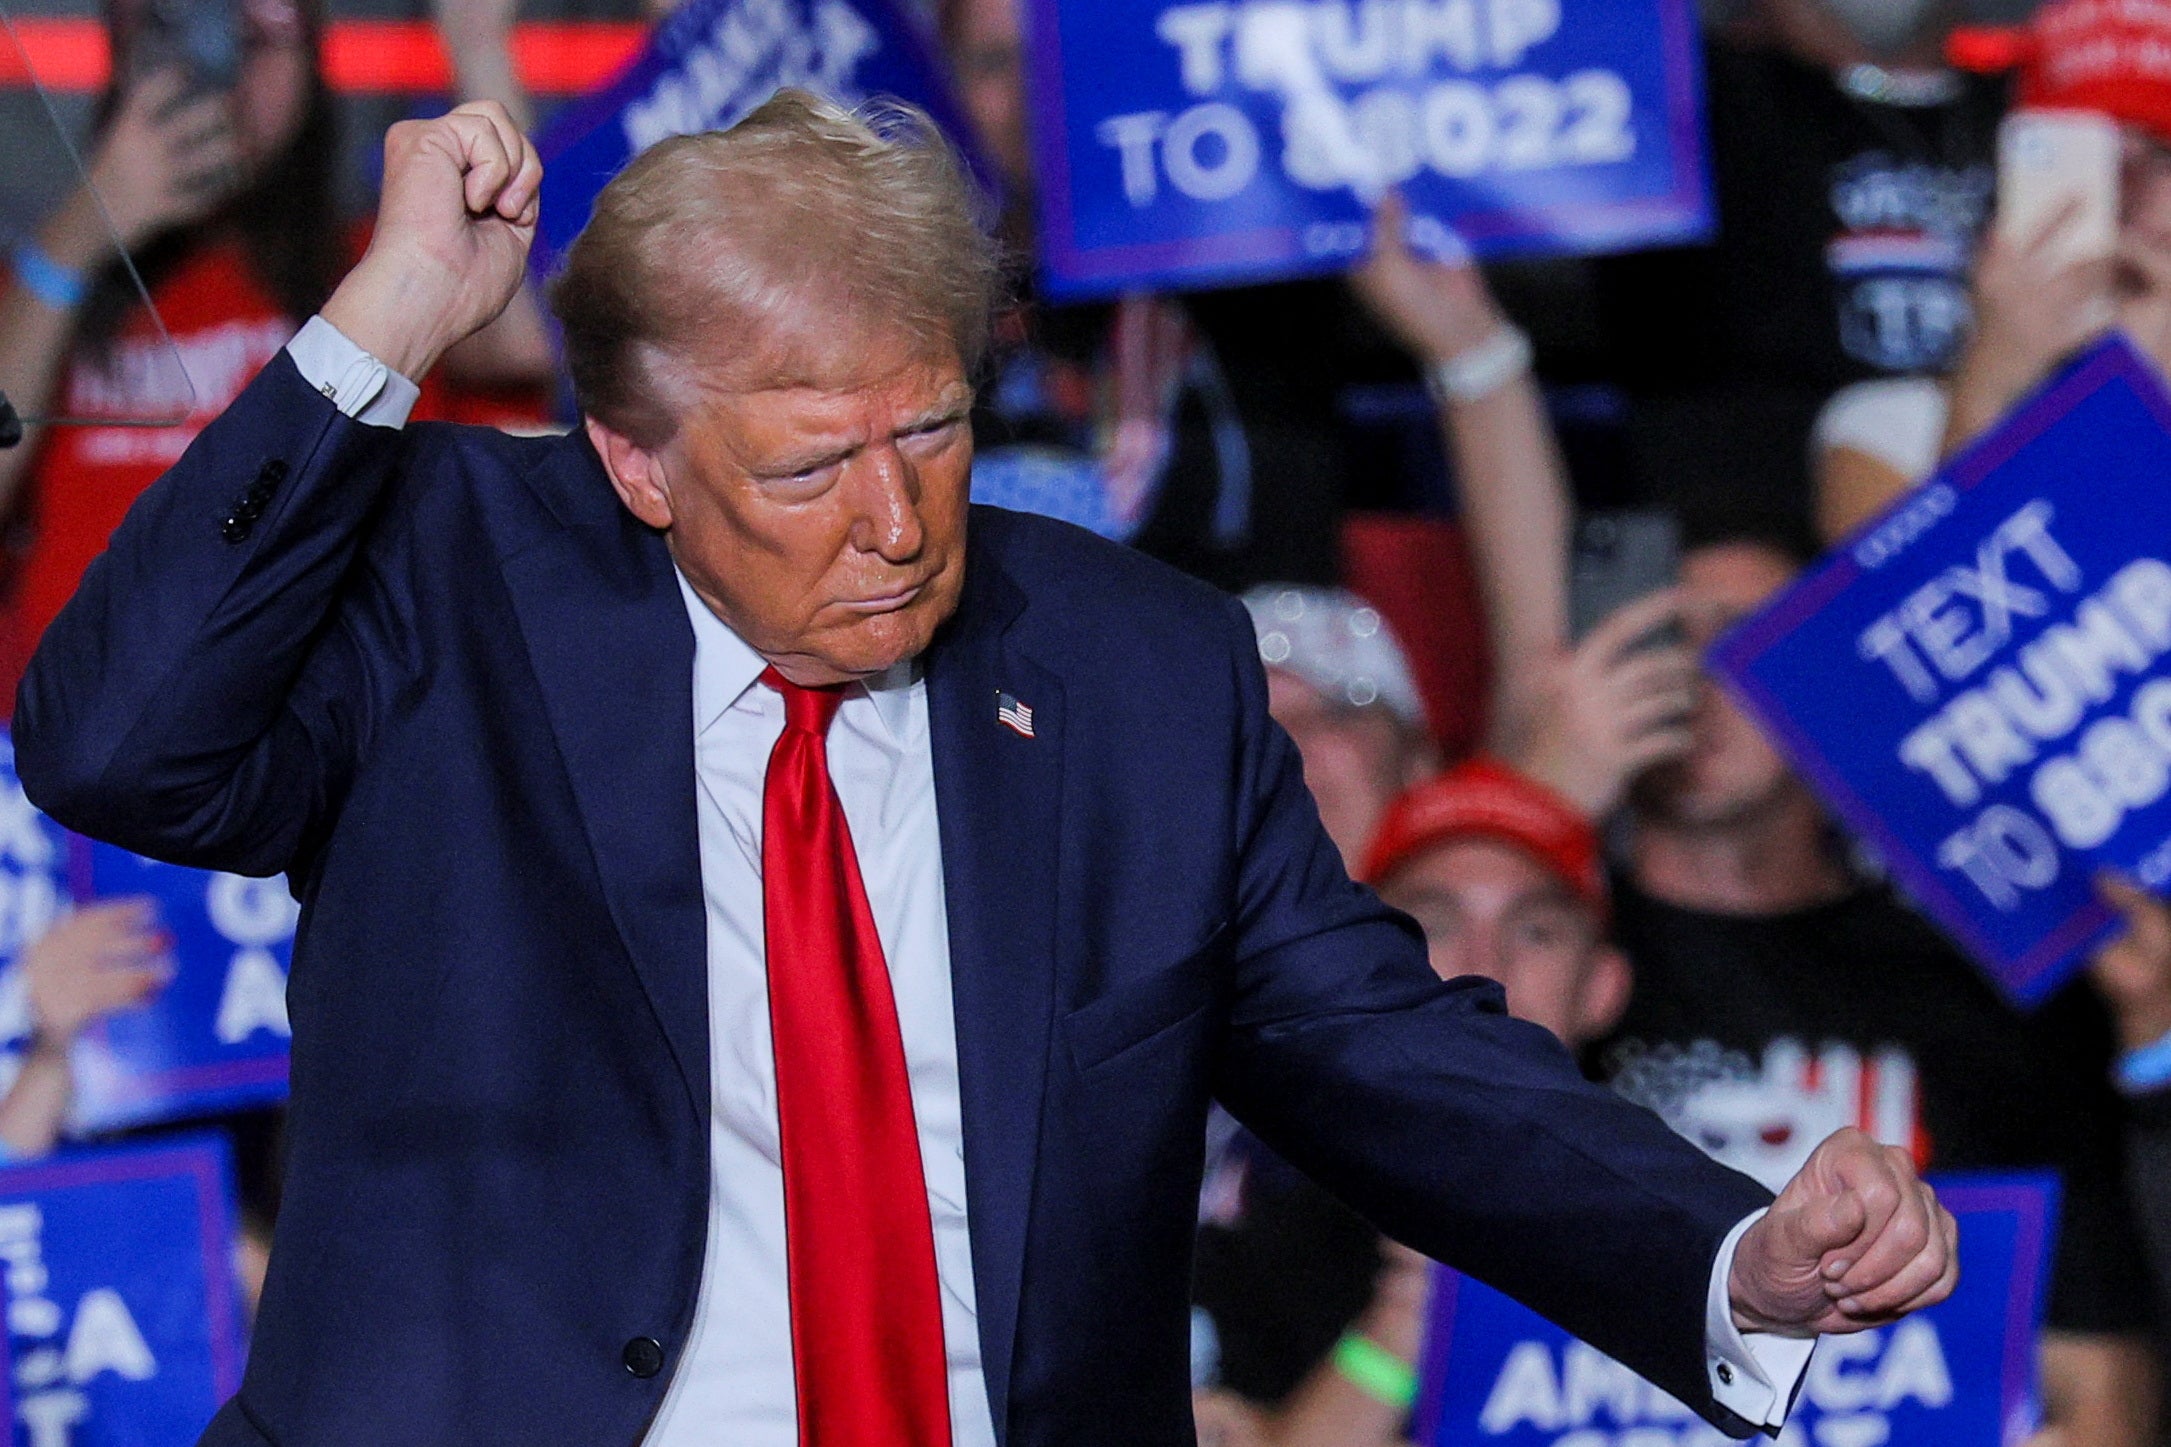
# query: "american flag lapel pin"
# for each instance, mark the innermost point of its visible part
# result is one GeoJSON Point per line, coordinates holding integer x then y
{"type": "Point", "coordinates": [1013, 714]}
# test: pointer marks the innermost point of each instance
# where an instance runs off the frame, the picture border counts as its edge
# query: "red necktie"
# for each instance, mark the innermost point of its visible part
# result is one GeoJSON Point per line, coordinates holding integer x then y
{"type": "Point", "coordinates": [866, 1309]}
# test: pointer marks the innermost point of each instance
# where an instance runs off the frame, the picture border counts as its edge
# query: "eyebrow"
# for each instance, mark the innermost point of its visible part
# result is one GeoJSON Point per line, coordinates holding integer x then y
{"type": "Point", "coordinates": [954, 409]}
{"type": "Point", "coordinates": [941, 414]}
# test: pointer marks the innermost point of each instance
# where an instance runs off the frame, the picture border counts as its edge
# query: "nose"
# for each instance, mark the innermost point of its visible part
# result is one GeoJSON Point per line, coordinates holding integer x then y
{"type": "Point", "coordinates": [887, 517]}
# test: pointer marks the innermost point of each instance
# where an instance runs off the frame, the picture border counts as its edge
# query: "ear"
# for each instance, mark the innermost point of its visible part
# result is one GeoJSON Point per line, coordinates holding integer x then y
{"type": "Point", "coordinates": [636, 474]}
{"type": "Point", "coordinates": [1603, 997]}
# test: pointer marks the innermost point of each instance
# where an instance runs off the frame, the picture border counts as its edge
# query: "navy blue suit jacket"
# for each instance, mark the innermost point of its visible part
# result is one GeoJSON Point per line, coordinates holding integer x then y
{"type": "Point", "coordinates": [442, 680]}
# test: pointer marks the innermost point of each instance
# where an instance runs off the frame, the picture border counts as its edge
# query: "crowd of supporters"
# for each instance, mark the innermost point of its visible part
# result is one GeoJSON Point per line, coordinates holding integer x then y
{"type": "Point", "coordinates": [1391, 468]}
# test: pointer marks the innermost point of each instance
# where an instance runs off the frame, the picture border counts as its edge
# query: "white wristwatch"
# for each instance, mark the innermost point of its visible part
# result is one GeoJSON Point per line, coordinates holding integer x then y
{"type": "Point", "coordinates": [1482, 370]}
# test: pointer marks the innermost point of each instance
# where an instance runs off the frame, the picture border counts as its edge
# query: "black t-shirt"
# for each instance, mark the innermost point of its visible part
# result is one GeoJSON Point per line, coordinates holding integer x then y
{"type": "Point", "coordinates": [1758, 1036]}
{"type": "Point", "coordinates": [1846, 230]}
{"type": "Point", "coordinates": [1283, 1269]}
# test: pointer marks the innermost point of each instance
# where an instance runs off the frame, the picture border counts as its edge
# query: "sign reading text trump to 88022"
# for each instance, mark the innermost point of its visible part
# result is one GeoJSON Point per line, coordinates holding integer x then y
{"type": "Point", "coordinates": [1961, 1374]}
{"type": "Point", "coordinates": [1195, 142]}
{"type": "Point", "coordinates": [1979, 683]}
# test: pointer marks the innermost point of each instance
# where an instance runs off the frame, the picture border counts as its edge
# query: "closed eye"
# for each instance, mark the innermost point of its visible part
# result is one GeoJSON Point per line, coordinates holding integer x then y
{"type": "Point", "coordinates": [941, 428]}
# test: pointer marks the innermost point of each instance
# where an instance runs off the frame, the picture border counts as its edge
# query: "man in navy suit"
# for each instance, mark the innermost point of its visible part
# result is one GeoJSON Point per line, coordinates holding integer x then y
{"type": "Point", "coordinates": [765, 962]}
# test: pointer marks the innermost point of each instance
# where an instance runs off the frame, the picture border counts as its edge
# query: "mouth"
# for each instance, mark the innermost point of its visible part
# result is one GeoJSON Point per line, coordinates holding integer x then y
{"type": "Point", "coordinates": [883, 602]}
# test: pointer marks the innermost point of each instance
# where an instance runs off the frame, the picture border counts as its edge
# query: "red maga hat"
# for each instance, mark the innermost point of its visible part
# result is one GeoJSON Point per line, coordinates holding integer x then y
{"type": "Point", "coordinates": [1483, 799]}
{"type": "Point", "coordinates": [2109, 56]}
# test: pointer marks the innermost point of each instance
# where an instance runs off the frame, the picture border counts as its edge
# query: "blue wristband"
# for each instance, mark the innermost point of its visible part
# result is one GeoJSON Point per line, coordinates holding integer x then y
{"type": "Point", "coordinates": [60, 287]}
{"type": "Point", "coordinates": [2145, 1067]}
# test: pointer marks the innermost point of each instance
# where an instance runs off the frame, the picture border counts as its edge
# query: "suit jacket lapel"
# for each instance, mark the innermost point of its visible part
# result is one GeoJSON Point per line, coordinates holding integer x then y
{"type": "Point", "coordinates": [998, 795]}
{"type": "Point", "coordinates": [606, 630]}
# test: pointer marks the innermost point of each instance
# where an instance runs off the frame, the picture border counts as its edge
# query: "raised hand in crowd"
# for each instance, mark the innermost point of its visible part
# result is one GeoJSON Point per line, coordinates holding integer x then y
{"type": "Point", "coordinates": [1437, 310]}
{"type": "Point", "coordinates": [478, 36]}
{"type": "Point", "coordinates": [1618, 703]}
{"type": "Point", "coordinates": [515, 350]}
{"type": "Point", "coordinates": [2133, 971]}
{"type": "Point", "coordinates": [454, 224]}
{"type": "Point", "coordinates": [1513, 486]}
{"type": "Point", "coordinates": [2036, 302]}
{"type": "Point", "coordinates": [169, 158]}
{"type": "Point", "coordinates": [1333, 1406]}
{"type": "Point", "coordinates": [102, 958]}
{"type": "Point", "coordinates": [166, 159]}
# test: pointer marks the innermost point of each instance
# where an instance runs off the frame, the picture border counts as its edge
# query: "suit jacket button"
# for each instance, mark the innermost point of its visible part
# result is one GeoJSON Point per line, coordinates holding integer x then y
{"type": "Point", "coordinates": [643, 1356]}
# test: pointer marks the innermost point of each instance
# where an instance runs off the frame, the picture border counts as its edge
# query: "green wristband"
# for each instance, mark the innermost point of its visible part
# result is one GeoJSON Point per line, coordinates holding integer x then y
{"type": "Point", "coordinates": [1375, 1371]}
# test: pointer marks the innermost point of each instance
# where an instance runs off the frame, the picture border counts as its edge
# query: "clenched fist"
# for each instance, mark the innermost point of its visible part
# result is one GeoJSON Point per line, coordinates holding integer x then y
{"type": "Point", "coordinates": [451, 245]}
{"type": "Point", "coordinates": [1854, 1241]}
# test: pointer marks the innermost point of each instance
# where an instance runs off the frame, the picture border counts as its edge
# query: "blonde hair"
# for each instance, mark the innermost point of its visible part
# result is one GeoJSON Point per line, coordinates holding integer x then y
{"type": "Point", "coordinates": [753, 249]}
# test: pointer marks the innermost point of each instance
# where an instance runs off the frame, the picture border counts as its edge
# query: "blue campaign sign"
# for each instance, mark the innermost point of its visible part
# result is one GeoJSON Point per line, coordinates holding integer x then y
{"type": "Point", "coordinates": [710, 63]}
{"type": "Point", "coordinates": [122, 1309]}
{"type": "Point", "coordinates": [1961, 1374]}
{"type": "Point", "coordinates": [1976, 683]}
{"type": "Point", "coordinates": [1205, 142]}
{"type": "Point", "coordinates": [216, 1037]}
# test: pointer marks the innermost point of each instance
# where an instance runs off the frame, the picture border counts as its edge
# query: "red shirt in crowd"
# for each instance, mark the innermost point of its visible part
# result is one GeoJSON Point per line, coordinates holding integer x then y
{"type": "Point", "coordinates": [225, 326]}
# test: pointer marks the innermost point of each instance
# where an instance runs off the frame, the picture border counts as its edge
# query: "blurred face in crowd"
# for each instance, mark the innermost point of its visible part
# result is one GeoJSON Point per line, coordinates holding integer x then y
{"type": "Point", "coordinates": [987, 57]}
{"type": "Point", "coordinates": [1355, 759]}
{"type": "Point", "coordinates": [822, 517]}
{"type": "Point", "coordinates": [1730, 774]}
{"type": "Point", "coordinates": [1489, 908]}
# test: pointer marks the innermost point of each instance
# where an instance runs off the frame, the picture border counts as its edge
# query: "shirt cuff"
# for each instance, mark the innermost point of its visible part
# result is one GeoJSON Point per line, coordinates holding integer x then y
{"type": "Point", "coordinates": [354, 381]}
{"type": "Point", "coordinates": [1754, 1374]}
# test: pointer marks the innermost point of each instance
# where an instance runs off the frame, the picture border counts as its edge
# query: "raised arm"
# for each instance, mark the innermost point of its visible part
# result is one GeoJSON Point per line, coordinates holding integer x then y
{"type": "Point", "coordinates": [1472, 1136]}
{"type": "Point", "coordinates": [516, 349]}
{"type": "Point", "coordinates": [1513, 486]}
{"type": "Point", "coordinates": [163, 161]}
{"type": "Point", "coordinates": [1584, 720]}
{"type": "Point", "coordinates": [206, 692]}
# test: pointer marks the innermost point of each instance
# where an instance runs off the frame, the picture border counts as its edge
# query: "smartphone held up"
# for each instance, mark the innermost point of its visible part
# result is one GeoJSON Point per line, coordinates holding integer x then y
{"type": "Point", "coordinates": [2058, 176]}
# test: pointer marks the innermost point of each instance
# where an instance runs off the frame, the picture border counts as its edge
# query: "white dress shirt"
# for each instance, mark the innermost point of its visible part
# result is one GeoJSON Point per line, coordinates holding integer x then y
{"type": "Point", "coordinates": [734, 1384]}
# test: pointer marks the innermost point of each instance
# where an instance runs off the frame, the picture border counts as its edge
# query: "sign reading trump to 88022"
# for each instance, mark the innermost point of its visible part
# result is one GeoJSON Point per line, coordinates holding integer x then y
{"type": "Point", "coordinates": [1979, 683]}
{"type": "Point", "coordinates": [1209, 141]}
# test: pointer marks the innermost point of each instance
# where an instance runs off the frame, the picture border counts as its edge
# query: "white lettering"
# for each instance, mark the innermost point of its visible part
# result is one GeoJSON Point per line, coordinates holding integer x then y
{"type": "Point", "coordinates": [105, 1339]}
{"type": "Point", "coordinates": [1200, 173]}
{"type": "Point", "coordinates": [1914, 1367]}
{"type": "Point", "coordinates": [254, 998]}
{"type": "Point", "coordinates": [49, 1415]}
{"type": "Point", "coordinates": [1928, 749]}
{"type": "Point", "coordinates": [251, 911]}
{"type": "Point", "coordinates": [1133, 137]}
{"type": "Point", "coordinates": [1197, 32]}
{"type": "Point", "coordinates": [1525, 1391]}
